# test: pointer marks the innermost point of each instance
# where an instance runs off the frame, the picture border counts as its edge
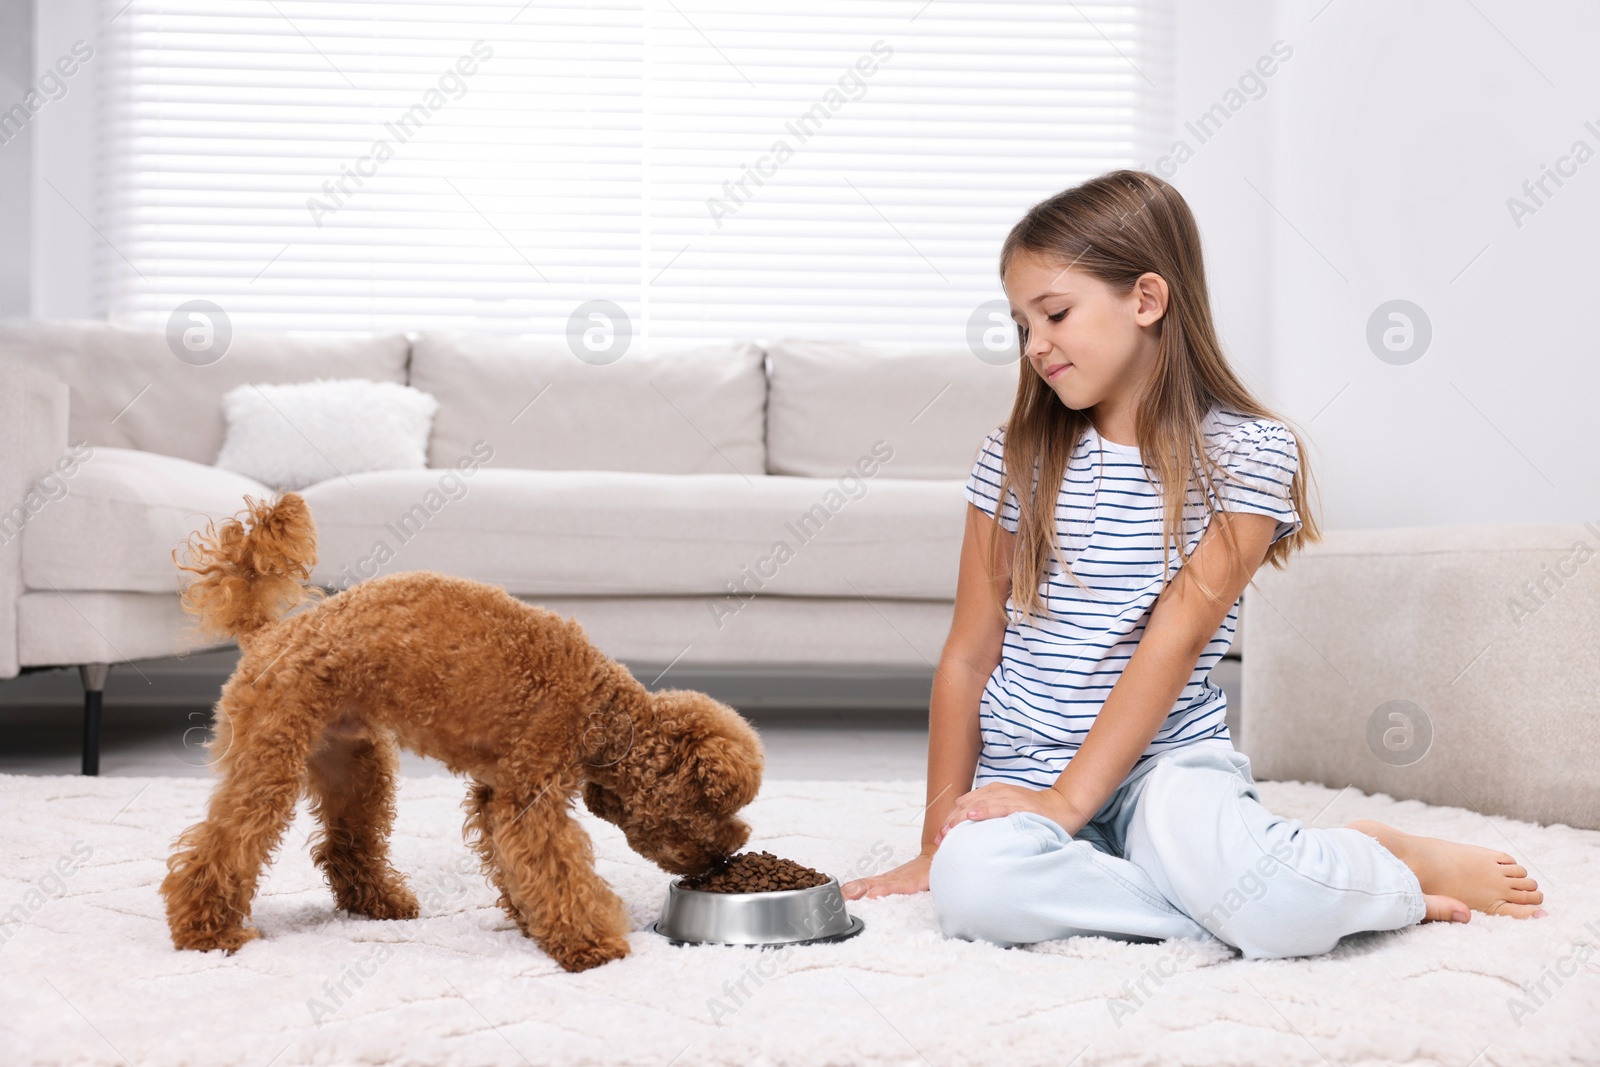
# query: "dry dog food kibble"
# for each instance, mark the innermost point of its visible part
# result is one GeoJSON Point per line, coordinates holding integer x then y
{"type": "Point", "coordinates": [755, 872]}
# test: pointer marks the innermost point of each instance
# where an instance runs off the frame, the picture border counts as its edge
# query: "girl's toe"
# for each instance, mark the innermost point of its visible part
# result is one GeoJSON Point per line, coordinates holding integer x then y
{"type": "Point", "coordinates": [1441, 908]}
{"type": "Point", "coordinates": [1516, 911]}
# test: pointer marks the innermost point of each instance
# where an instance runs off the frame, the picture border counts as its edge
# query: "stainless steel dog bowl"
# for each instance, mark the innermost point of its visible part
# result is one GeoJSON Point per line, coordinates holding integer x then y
{"type": "Point", "coordinates": [785, 917]}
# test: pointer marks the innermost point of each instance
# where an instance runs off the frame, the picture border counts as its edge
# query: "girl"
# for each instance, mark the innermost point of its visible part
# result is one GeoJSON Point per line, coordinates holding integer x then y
{"type": "Point", "coordinates": [1092, 603]}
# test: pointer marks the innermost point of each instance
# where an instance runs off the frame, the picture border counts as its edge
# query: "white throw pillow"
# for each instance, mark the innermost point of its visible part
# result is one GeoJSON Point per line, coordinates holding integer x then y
{"type": "Point", "coordinates": [292, 436]}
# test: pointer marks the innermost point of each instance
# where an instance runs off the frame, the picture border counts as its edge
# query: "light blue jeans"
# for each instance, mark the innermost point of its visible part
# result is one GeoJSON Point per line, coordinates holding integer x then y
{"type": "Point", "coordinates": [1183, 849]}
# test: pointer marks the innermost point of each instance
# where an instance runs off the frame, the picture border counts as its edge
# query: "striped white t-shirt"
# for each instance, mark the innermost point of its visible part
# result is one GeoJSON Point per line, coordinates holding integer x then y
{"type": "Point", "coordinates": [1056, 670]}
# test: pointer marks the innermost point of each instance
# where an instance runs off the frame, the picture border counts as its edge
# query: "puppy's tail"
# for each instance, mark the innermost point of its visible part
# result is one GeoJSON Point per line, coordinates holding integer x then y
{"type": "Point", "coordinates": [252, 568]}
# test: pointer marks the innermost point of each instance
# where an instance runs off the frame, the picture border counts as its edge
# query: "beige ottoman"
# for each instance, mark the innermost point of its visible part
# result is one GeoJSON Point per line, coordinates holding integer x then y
{"type": "Point", "coordinates": [1455, 665]}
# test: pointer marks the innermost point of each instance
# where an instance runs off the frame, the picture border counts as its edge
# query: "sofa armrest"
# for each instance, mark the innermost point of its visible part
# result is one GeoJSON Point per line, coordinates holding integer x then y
{"type": "Point", "coordinates": [33, 436]}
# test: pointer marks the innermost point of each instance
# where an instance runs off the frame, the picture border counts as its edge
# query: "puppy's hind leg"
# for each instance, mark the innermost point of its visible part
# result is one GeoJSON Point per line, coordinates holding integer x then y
{"type": "Point", "coordinates": [352, 783]}
{"type": "Point", "coordinates": [544, 865]}
{"type": "Point", "coordinates": [216, 864]}
{"type": "Point", "coordinates": [481, 838]}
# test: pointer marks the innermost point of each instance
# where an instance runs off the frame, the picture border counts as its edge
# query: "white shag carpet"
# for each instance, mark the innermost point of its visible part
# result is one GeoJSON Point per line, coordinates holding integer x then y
{"type": "Point", "coordinates": [88, 975]}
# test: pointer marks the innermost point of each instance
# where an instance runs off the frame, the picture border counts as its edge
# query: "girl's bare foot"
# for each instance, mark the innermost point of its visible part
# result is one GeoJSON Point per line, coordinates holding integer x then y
{"type": "Point", "coordinates": [1455, 876]}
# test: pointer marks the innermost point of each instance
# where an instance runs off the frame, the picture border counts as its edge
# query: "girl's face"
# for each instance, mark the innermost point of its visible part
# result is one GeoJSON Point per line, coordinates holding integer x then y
{"type": "Point", "coordinates": [1088, 344]}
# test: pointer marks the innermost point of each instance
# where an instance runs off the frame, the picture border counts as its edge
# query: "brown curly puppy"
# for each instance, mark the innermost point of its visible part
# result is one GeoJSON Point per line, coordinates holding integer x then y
{"type": "Point", "coordinates": [512, 695]}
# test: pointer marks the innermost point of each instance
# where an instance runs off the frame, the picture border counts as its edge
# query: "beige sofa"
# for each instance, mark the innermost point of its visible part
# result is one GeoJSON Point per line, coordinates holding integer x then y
{"type": "Point", "coordinates": [728, 505]}
{"type": "Point", "coordinates": [646, 498]}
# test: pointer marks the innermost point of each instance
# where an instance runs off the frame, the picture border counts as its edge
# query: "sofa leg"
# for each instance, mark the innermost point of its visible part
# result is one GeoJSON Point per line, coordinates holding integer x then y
{"type": "Point", "coordinates": [94, 684]}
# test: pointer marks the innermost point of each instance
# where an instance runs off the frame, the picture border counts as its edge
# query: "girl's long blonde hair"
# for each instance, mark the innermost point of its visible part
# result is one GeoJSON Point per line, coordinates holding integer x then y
{"type": "Point", "coordinates": [1116, 228]}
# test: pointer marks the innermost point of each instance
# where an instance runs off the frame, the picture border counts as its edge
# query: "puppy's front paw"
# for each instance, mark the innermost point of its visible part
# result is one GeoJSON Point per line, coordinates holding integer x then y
{"type": "Point", "coordinates": [382, 902]}
{"type": "Point", "coordinates": [582, 955]}
{"type": "Point", "coordinates": [230, 939]}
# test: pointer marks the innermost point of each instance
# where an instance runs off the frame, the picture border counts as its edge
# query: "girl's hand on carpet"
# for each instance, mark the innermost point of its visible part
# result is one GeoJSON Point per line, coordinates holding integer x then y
{"type": "Point", "coordinates": [997, 799]}
{"type": "Point", "coordinates": [909, 877]}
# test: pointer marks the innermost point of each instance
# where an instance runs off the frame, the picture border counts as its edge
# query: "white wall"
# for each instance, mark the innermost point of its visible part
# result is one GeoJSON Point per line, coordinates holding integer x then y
{"type": "Point", "coordinates": [1399, 135]}
{"type": "Point", "coordinates": [16, 159]}
{"type": "Point", "coordinates": [1215, 44]}
{"type": "Point", "coordinates": [66, 246]}
{"type": "Point", "coordinates": [1377, 166]}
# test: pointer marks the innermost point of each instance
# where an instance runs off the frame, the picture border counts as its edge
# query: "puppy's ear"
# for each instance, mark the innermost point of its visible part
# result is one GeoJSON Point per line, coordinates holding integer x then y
{"type": "Point", "coordinates": [728, 771]}
{"type": "Point", "coordinates": [603, 803]}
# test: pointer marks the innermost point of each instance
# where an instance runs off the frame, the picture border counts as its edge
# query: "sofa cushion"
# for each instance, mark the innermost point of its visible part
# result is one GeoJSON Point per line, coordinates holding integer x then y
{"type": "Point", "coordinates": [614, 533]}
{"type": "Point", "coordinates": [122, 515]}
{"type": "Point", "coordinates": [130, 391]}
{"type": "Point", "coordinates": [828, 401]}
{"type": "Point", "coordinates": [698, 411]}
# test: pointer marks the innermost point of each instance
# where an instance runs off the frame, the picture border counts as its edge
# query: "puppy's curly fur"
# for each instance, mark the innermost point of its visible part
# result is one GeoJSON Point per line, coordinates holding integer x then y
{"type": "Point", "coordinates": [512, 695]}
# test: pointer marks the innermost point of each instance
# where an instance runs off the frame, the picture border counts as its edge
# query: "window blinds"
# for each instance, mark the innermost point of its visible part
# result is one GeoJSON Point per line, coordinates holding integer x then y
{"type": "Point", "coordinates": [725, 169]}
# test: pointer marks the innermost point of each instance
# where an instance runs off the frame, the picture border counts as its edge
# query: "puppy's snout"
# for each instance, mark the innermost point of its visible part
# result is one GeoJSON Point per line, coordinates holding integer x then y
{"type": "Point", "coordinates": [723, 841]}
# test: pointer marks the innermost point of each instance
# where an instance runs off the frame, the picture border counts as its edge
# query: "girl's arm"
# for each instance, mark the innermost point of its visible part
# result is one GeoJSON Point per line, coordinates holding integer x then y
{"type": "Point", "coordinates": [1181, 624]}
{"type": "Point", "coordinates": [970, 655]}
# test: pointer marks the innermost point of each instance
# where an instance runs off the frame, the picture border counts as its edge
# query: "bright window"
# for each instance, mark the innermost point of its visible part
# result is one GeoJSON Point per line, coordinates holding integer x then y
{"type": "Point", "coordinates": [729, 169]}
